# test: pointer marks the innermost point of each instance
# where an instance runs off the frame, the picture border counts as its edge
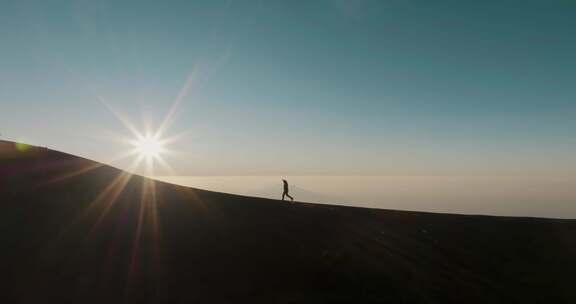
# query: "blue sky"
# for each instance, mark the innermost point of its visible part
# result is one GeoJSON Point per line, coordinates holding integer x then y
{"type": "Point", "coordinates": [300, 87]}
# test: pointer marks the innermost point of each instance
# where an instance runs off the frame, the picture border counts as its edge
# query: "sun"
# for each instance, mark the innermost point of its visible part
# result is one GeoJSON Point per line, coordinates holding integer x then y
{"type": "Point", "coordinates": [149, 143]}
{"type": "Point", "coordinates": [149, 149]}
{"type": "Point", "coordinates": [149, 146]}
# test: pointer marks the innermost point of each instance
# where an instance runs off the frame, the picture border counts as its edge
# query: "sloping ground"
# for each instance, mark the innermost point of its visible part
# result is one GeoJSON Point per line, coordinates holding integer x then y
{"type": "Point", "coordinates": [74, 231]}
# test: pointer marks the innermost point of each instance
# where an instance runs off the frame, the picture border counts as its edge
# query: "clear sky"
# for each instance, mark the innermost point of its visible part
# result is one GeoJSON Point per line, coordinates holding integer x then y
{"type": "Point", "coordinates": [299, 87]}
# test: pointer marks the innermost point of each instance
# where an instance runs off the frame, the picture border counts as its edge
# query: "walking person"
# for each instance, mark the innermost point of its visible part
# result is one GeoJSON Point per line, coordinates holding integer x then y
{"type": "Point", "coordinates": [285, 193]}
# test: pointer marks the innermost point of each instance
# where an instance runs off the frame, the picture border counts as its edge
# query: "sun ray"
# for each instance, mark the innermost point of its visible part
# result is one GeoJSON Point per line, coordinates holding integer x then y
{"type": "Point", "coordinates": [166, 166]}
{"type": "Point", "coordinates": [59, 178]}
{"type": "Point", "coordinates": [124, 120]}
{"type": "Point", "coordinates": [109, 196]}
{"type": "Point", "coordinates": [85, 168]}
{"type": "Point", "coordinates": [184, 91]}
{"type": "Point", "coordinates": [174, 138]}
{"type": "Point", "coordinates": [107, 199]}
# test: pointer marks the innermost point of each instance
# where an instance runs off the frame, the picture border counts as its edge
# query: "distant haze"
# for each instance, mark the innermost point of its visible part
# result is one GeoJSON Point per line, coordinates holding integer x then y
{"type": "Point", "coordinates": [494, 195]}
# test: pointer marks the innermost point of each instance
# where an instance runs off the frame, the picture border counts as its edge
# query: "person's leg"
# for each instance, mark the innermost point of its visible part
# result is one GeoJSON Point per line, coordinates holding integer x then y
{"type": "Point", "coordinates": [283, 194]}
{"type": "Point", "coordinates": [291, 198]}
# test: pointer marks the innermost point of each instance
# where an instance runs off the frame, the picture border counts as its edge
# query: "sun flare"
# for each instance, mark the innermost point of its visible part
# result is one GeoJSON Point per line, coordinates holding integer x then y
{"type": "Point", "coordinates": [149, 150]}
{"type": "Point", "coordinates": [149, 143]}
{"type": "Point", "coordinates": [149, 147]}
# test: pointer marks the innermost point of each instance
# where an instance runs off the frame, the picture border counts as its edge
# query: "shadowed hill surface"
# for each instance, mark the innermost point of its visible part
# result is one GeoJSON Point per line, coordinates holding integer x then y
{"type": "Point", "coordinates": [74, 231]}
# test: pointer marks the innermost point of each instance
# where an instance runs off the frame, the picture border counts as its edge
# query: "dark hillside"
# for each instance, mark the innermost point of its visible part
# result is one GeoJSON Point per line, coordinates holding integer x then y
{"type": "Point", "coordinates": [75, 231]}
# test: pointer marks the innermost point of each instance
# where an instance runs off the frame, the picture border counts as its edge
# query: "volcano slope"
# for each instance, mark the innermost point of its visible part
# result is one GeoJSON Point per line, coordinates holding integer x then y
{"type": "Point", "coordinates": [75, 231]}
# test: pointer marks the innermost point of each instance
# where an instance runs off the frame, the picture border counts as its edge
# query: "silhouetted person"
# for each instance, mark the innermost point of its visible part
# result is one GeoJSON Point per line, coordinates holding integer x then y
{"type": "Point", "coordinates": [285, 193]}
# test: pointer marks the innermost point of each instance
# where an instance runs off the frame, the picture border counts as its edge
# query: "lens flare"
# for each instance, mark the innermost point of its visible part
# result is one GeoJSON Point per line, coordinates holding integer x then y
{"type": "Point", "coordinates": [149, 147]}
